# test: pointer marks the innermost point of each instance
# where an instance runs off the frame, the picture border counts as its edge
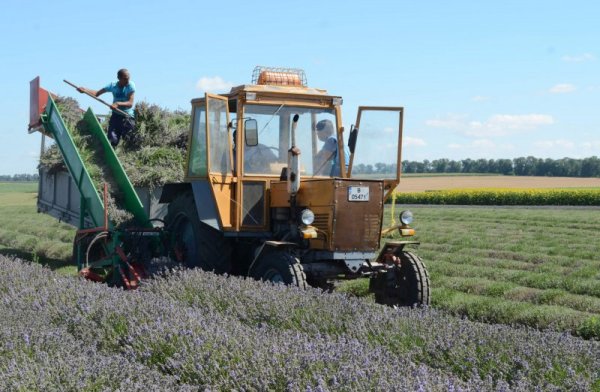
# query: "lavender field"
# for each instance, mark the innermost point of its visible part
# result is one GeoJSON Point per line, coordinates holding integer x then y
{"type": "Point", "coordinates": [194, 330]}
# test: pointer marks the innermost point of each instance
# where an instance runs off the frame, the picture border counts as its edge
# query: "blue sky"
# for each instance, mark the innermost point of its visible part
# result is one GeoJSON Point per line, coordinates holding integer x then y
{"type": "Point", "coordinates": [487, 79]}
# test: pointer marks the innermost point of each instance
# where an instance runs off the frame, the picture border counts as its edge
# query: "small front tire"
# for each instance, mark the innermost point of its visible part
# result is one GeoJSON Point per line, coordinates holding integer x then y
{"type": "Point", "coordinates": [406, 285]}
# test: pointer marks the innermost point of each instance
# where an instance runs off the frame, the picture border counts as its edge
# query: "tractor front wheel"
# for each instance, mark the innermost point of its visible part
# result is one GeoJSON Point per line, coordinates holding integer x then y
{"type": "Point", "coordinates": [403, 285]}
{"type": "Point", "coordinates": [280, 267]}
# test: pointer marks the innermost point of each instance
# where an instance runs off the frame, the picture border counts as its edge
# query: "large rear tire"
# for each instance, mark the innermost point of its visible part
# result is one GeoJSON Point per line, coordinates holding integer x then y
{"type": "Point", "coordinates": [280, 267]}
{"type": "Point", "coordinates": [198, 245]}
{"type": "Point", "coordinates": [406, 285]}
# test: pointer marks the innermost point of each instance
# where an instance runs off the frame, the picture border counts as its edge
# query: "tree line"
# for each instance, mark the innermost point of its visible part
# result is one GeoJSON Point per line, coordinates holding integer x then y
{"type": "Point", "coordinates": [19, 177]}
{"type": "Point", "coordinates": [522, 166]}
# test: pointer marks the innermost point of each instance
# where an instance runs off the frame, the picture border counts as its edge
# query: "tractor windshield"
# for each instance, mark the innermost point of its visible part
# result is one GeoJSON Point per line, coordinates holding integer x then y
{"type": "Point", "coordinates": [316, 137]}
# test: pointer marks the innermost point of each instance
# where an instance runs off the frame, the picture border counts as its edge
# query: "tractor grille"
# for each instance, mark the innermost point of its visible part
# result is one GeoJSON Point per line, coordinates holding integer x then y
{"type": "Point", "coordinates": [321, 222]}
{"type": "Point", "coordinates": [356, 226]}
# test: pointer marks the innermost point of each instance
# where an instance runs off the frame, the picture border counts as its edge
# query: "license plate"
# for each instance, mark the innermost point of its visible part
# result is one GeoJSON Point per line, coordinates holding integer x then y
{"type": "Point", "coordinates": [358, 193]}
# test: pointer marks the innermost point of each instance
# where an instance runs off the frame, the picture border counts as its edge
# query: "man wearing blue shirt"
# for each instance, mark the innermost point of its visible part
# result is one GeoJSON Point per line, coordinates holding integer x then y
{"type": "Point", "coordinates": [326, 159]}
{"type": "Point", "coordinates": [123, 92]}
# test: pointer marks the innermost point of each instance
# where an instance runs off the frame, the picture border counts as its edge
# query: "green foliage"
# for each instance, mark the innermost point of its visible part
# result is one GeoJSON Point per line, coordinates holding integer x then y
{"type": "Point", "coordinates": [531, 197]}
{"type": "Point", "coordinates": [522, 166]}
{"type": "Point", "coordinates": [152, 155]}
{"type": "Point", "coordinates": [590, 328]}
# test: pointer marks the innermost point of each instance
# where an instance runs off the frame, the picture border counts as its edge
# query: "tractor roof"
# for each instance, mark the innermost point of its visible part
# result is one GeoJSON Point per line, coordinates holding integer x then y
{"type": "Point", "coordinates": [268, 88]}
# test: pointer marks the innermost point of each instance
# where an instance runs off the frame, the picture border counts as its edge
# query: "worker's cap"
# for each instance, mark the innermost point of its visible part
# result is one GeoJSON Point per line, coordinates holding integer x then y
{"type": "Point", "coordinates": [325, 126]}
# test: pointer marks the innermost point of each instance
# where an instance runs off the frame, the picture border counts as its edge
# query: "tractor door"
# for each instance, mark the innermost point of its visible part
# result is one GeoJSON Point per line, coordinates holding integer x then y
{"type": "Point", "coordinates": [377, 151]}
{"type": "Point", "coordinates": [220, 160]}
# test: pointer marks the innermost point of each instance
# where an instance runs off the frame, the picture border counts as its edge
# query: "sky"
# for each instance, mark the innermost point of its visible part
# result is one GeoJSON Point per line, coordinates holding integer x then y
{"type": "Point", "coordinates": [485, 79]}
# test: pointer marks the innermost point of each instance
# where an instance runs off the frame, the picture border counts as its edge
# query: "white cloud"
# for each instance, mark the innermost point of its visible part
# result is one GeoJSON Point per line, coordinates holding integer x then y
{"type": "Point", "coordinates": [413, 141]}
{"type": "Point", "coordinates": [565, 147]}
{"type": "Point", "coordinates": [479, 144]}
{"type": "Point", "coordinates": [591, 144]}
{"type": "Point", "coordinates": [496, 125]}
{"type": "Point", "coordinates": [451, 121]}
{"type": "Point", "coordinates": [213, 84]}
{"type": "Point", "coordinates": [507, 124]}
{"type": "Point", "coordinates": [578, 58]}
{"type": "Point", "coordinates": [481, 148]}
{"type": "Point", "coordinates": [388, 129]}
{"type": "Point", "coordinates": [480, 98]}
{"type": "Point", "coordinates": [562, 88]}
{"type": "Point", "coordinates": [558, 143]}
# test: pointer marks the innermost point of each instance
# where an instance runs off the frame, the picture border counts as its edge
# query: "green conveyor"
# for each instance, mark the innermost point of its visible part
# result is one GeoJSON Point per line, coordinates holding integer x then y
{"type": "Point", "coordinates": [91, 201]}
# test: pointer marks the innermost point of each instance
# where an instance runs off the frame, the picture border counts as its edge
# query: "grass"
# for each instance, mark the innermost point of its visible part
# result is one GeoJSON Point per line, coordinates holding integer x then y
{"type": "Point", "coordinates": [512, 265]}
{"type": "Point", "coordinates": [32, 236]}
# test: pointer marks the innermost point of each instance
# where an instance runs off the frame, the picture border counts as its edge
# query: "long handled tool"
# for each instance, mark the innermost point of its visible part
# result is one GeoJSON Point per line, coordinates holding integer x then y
{"type": "Point", "coordinates": [122, 113]}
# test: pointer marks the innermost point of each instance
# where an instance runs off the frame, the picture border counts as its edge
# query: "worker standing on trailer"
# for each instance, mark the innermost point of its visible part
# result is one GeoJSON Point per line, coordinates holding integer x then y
{"type": "Point", "coordinates": [123, 91]}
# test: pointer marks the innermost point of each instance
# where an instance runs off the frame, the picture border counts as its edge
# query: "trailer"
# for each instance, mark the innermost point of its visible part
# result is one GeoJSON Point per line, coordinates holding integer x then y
{"type": "Point", "coordinates": [103, 251]}
{"type": "Point", "coordinates": [58, 196]}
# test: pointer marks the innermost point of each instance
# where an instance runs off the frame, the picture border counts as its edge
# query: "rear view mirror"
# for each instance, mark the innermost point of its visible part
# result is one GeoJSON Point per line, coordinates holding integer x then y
{"type": "Point", "coordinates": [352, 139]}
{"type": "Point", "coordinates": [251, 132]}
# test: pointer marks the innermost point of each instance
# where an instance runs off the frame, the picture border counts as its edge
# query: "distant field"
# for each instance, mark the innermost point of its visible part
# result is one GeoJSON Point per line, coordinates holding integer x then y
{"type": "Point", "coordinates": [29, 235]}
{"type": "Point", "coordinates": [421, 184]}
{"type": "Point", "coordinates": [18, 187]}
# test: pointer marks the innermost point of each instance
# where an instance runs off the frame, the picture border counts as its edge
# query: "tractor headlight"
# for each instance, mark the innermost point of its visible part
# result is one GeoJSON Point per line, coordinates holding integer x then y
{"type": "Point", "coordinates": [406, 217]}
{"type": "Point", "coordinates": [307, 217]}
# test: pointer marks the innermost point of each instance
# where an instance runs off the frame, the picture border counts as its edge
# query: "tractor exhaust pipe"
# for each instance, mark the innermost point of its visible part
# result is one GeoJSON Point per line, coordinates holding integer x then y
{"type": "Point", "coordinates": [293, 178]}
{"type": "Point", "coordinates": [293, 174]}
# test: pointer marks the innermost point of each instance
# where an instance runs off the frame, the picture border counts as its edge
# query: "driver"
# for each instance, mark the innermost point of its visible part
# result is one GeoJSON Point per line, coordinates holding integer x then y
{"type": "Point", "coordinates": [326, 159]}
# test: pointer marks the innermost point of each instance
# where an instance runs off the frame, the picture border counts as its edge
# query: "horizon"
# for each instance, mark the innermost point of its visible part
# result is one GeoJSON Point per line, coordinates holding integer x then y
{"type": "Point", "coordinates": [433, 161]}
{"type": "Point", "coordinates": [477, 81]}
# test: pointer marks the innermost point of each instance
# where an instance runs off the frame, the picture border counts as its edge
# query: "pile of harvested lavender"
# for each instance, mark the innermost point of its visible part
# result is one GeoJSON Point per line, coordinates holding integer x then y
{"type": "Point", "coordinates": [152, 154]}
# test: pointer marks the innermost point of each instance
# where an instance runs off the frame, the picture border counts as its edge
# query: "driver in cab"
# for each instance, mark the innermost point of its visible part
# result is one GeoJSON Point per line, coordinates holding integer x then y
{"type": "Point", "coordinates": [326, 160]}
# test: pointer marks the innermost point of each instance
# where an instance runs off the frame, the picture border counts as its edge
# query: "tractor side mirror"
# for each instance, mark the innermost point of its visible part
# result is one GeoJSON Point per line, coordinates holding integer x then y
{"type": "Point", "coordinates": [251, 132]}
{"type": "Point", "coordinates": [352, 139]}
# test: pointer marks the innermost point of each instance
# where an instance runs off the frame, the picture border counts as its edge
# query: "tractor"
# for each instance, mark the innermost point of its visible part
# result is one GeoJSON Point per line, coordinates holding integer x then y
{"type": "Point", "coordinates": [270, 191]}
{"type": "Point", "coordinates": [274, 189]}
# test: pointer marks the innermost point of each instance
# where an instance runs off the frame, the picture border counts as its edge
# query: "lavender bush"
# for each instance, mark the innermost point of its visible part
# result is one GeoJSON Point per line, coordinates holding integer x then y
{"type": "Point", "coordinates": [195, 330]}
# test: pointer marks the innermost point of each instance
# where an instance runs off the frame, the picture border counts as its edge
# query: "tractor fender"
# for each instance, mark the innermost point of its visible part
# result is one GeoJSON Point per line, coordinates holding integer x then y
{"type": "Point", "coordinates": [269, 245]}
{"type": "Point", "coordinates": [206, 206]}
{"type": "Point", "coordinates": [394, 247]}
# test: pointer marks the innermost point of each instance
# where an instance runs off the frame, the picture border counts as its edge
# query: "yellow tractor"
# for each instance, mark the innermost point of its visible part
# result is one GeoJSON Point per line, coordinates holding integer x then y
{"type": "Point", "coordinates": [277, 190]}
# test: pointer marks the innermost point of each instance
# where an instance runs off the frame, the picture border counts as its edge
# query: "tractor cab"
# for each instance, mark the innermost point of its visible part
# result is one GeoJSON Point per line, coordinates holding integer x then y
{"type": "Point", "coordinates": [276, 187]}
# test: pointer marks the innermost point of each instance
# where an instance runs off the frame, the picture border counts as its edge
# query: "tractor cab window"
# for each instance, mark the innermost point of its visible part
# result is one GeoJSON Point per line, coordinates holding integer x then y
{"type": "Point", "coordinates": [197, 153]}
{"type": "Point", "coordinates": [316, 137]}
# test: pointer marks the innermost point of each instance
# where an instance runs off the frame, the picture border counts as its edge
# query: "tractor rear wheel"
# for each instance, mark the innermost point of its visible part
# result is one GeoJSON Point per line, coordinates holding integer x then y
{"type": "Point", "coordinates": [197, 244]}
{"type": "Point", "coordinates": [280, 267]}
{"type": "Point", "coordinates": [404, 285]}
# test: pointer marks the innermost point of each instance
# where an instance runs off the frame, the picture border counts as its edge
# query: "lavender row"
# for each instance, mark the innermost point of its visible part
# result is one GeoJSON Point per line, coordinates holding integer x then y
{"type": "Point", "coordinates": [516, 356]}
{"type": "Point", "coordinates": [195, 329]}
{"type": "Point", "coordinates": [88, 336]}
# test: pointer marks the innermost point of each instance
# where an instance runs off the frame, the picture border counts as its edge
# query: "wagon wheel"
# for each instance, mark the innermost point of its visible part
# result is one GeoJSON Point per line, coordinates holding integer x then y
{"type": "Point", "coordinates": [404, 285]}
{"type": "Point", "coordinates": [92, 251]}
